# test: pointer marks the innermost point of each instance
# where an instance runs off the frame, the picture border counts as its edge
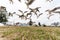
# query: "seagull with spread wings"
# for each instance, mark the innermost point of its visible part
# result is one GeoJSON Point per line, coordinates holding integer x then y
{"type": "Point", "coordinates": [35, 10]}
{"type": "Point", "coordinates": [39, 15]}
{"type": "Point", "coordinates": [52, 11]}
{"type": "Point", "coordinates": [22, 16]}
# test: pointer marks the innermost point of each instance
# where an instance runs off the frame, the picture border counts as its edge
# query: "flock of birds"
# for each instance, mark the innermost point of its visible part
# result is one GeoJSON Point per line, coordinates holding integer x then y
{"type": "Point", "coordinates": [35, 10]}
{"type": "Point", "coordinates": [27, 14]}
{"type": "Point", "coordinates": [28, 2]}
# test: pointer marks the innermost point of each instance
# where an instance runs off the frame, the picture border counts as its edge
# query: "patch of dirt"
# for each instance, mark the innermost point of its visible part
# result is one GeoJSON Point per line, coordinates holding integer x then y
{"type": "Point", "coordinates": [2, 38]}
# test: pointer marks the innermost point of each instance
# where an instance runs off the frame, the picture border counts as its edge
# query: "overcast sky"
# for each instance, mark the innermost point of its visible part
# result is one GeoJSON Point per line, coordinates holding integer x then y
{"type": "Point", "coordinates": [37, 3]}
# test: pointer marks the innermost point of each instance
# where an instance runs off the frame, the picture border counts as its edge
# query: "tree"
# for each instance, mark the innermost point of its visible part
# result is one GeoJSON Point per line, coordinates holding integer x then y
{"type": "Point", "coordinates": [55, 23]}
{"type": "Point", "coordinates": [44, 25]}
{"type": "Point", "coordinates": [3, 12]}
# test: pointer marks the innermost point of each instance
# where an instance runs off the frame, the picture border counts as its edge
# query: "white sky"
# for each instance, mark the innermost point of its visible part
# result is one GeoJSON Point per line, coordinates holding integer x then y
{"type": "Point", "coordinates": [37, 3]}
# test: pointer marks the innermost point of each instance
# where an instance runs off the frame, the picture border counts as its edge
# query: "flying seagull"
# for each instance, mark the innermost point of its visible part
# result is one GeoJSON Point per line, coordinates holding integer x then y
{"type": "Point", "coordinates": [35, 10]}
{"type": "Point", "coordinates": [53, 10]}
{"type": "Point", "coordinates": [39, 15]}
{"type": "Point", "coordinates": [29, 14]}
{"type": "Point", "coordinates": [23, 16]}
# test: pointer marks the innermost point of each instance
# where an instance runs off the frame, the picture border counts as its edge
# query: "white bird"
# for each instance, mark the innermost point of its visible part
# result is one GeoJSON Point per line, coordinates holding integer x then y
{"type": "Point", "coordinates": [39, 15]}
{"type": "Point", "coordinates": [35, 10]}
{"type": "Point", "coordinates": [52, 11]}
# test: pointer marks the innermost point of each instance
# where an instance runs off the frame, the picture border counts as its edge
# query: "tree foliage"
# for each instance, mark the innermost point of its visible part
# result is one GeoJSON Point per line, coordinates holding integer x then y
{"type": "Point", "coordinates": [3, 12]}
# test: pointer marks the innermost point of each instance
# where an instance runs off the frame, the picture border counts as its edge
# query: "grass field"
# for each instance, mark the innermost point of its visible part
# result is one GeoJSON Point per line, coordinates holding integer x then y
{"type": "Point", "coordinates": [29, 33]}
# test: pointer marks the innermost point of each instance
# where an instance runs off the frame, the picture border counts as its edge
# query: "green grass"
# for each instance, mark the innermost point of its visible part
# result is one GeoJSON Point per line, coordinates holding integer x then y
{"type": "Point", "coordinates": [31, 33]}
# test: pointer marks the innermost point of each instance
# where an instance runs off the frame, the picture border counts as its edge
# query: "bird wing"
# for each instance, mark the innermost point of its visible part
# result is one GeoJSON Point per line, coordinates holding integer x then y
{"type": "Point", "coordinates": [30, 8]}
{"type": "Point", "coordinates": [20, 11]}
{"type": "Point", "coordinates": [56, 12]}
{"type": "Point", "coordinates": [55, 8]}
{"type": "Point", "coordinates": [18, 14]}
{"type": "Point", "coordinates": [25, 11]}
{"type": "Point", "coordinates": [37, 7]}
{"type": "Point", "coordinates": [50, 16]}
{"type": "Point", "coordinates": [39, 15]}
